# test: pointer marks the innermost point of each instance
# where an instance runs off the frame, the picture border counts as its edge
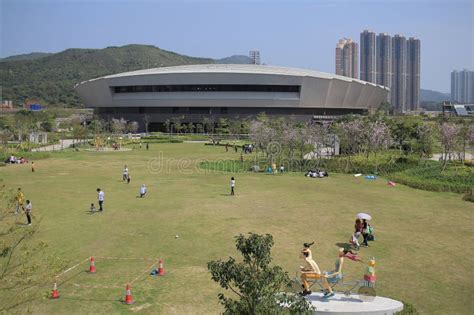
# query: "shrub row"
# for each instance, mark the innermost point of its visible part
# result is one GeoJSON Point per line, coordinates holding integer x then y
{"type": "Point", "coordinates": [455, 178]}
{"type": "Point", "coordinates": [225, 166]}
{"type": "Point", "coordinates": [383, 165]}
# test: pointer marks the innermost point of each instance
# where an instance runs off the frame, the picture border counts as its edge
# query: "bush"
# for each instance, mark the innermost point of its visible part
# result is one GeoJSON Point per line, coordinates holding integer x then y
{"type": "Point", "coordinates": [408, 309]}
{"type": "Point", "coordinates": [27, 155]}
{"type": "Point", "coordinates": [225, 166]}
{"type": "Point", "coordinates": [467, 197]}
{"type": "Point", "coordinates": [382, 164]}
{"type": "Point", "coordinates": [455, 178]}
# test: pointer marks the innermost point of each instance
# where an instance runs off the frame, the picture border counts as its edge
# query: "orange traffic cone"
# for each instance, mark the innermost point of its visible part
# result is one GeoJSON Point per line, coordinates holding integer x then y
{"type": "Point", "coordinates": [55, 292]}
{"type": "Point", "coordinates": [161, 270]}
{"type": "Point", "coordinates": [128, 295]}
{"type": "Point", "coordinates": [92, 266]}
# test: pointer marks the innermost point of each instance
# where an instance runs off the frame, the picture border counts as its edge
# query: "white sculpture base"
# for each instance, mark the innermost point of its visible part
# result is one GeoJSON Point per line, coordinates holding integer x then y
{"type": "Point", "coordinates": [341, 304]}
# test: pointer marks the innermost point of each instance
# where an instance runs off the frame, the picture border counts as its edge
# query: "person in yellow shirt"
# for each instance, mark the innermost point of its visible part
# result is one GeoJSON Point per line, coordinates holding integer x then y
{"type": "Point", "coordinates": [20, 200]}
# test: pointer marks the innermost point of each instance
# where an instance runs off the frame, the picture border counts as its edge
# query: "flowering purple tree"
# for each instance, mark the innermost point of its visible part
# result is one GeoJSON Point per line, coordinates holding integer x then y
{"type": "Point", "coordinates": [289, 139]}
{"type": "Point", "coordinates": [351, 136]}
{"type": "Point", "coordinates": [318, 138]}
{"type": "Point", "coordinates": [448, 133]}
{"type": "Point", "coordinates": [265, 138]}
{"type": "Point", "coordinates": [465, 138]}
{"type": "Point", "coordinates": [377, 136]}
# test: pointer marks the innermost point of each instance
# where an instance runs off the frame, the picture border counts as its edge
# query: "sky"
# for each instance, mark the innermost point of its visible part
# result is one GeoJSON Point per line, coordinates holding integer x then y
{"type": "Point", "coordinates": [300, 34]}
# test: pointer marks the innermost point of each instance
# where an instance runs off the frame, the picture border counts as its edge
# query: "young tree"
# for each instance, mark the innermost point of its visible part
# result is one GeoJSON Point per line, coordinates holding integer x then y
{"type": "Point", "coordinates": [465, 137]}
{"type": "Point", "coordinates": [96, 126]}
{"type": "Point", "coordinates": [199, 128]}
{"type": "Point", "coordinates": [25, 261]}
{"type": "Point", "coordinates": [222, 126]}
{"type": "Point", "coordinates": [351, 135]}
{"type": "Point", "coordinates": [146, 121]}
{"type": "Point", "coordinates": [424, 142]}
{"type": "Point", "coordinates": [377, 135]}
{"type": "Point", "coordinates": [208, 124]}
{"type": "Point", "coordinates": [289, 140]}
{"type": "Point", "coordinates": [191, 127]}
{"type": "Point", "coordinates": [177, 123]}
{"type": "Point", "coordinates": [168, 125]}
{"type": "Point", "coordinates": [118, 126]}
{"type": "Point", "coordinates": [448, 132]}
{"type": "Point", "coordinates": [257, 285]}
{"type": "Point", "coordinates": [132, 126]}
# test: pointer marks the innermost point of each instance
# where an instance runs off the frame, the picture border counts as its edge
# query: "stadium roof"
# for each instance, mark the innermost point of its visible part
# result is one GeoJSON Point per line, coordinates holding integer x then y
{"type": "Point", "coordinates": [235, 68]}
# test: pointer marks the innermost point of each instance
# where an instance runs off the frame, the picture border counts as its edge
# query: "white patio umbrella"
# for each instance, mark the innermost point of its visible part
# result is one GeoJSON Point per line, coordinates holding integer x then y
{"type": "Point", "coordinates": [363, 216]}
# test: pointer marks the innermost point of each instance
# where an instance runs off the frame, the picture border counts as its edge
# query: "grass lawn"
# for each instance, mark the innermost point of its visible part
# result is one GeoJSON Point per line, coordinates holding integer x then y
{"type": "Point", "coordinates": [424, 246]}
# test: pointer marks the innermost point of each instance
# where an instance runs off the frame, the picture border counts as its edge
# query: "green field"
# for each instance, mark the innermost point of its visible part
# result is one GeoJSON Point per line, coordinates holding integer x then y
{"type": "Point", "coordinates": [424, 246]}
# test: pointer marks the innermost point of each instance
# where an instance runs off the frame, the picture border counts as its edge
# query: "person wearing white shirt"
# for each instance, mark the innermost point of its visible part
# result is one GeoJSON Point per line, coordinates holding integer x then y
{"type": "Point", "coordinates": [100, 198]}
{"type": "Point", "coordinates": [143, 191]}
{"type": "Point", "coordinates": [28, 209]}
{"type": "Point", "coordinates": [232, 186]}
{"type": "Point", "coordinates": [125, 173]}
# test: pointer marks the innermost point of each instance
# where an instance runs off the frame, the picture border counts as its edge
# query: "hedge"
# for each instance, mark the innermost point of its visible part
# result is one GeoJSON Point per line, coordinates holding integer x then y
{"type": "Point", "coordinates": [455, 178]}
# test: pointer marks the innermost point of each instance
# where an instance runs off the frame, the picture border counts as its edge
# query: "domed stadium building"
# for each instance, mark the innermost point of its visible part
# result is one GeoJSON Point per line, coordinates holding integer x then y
{"type": "Point", "coordinates": [230, 91]}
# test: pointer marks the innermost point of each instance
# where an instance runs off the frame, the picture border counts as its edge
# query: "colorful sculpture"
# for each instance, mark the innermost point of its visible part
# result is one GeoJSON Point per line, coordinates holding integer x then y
{"type": "Point", "coordinates": [310, 270]}
{"type": "Point", "coordinates": [369, 276]}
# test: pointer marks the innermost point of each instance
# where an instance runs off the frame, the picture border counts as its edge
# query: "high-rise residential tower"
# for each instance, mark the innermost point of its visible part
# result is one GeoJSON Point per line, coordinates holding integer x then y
{"type": "Point", "coordinates": [399, 73]}
{"type": "Point", "coordinates": [254, 56]}
{"type": "Point", "coordinates": [384, 61]}
{"type": "Point", "coordinates": [367, 56]}
{"type": "Point", "coordinates": [347, 58]}
{"type": "Point", "coordinates": [462, 86]}
{"type": "Point", "coordinates": [413, 74]}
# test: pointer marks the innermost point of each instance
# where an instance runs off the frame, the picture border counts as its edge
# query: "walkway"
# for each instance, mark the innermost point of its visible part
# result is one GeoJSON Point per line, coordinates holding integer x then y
{"type": "Point", "coordinates": [63, 144]}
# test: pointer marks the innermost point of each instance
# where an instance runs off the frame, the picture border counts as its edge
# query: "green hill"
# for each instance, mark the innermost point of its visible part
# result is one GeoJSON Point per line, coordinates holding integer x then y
{"type": "Point", "coordinates": [51, 78]}
{"type": "Point", "coordinates": [30, 56]}
{"type": "Point", "coordinates": [433, 96]}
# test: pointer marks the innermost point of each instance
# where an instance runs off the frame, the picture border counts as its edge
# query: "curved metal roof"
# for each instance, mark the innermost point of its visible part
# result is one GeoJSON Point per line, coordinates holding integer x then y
{"type": "Point", "coordinates": [235, 68]}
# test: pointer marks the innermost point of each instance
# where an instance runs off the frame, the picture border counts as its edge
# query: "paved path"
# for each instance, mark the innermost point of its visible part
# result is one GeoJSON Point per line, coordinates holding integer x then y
{"type": "Point", "coordinates": [468, 156]}
{"type": "Point", "coordinates": [63, 144]}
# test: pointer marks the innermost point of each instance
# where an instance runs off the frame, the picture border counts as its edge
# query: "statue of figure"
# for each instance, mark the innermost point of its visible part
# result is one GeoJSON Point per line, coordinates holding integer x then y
{"type": "Point", "coordinates": [310, 270]}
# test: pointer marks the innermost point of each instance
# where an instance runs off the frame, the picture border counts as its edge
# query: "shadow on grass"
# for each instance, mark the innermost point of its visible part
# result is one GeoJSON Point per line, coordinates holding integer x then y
{"type": "Point", "coordinates": [91, 299]}
{"type": "Point", "coordinates": [344, 245]}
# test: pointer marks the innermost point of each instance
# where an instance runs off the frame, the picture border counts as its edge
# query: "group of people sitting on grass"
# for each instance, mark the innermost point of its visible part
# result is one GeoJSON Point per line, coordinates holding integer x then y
{"type": "Point", "coordinates": [15, 160]}
{"type": "Point", "coordinates": [247, 148]}
{"type": "Point", "coordinates": [316, 173]}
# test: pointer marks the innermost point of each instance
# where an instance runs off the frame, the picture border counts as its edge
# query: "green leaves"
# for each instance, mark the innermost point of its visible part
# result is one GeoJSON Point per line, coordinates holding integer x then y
{"type": "Point", "coordinates": [257, 285]}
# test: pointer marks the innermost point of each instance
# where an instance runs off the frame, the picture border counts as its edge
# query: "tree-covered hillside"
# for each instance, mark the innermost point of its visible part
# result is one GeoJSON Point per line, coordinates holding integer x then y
{"type": "Point", "coordinates": [51, 78]}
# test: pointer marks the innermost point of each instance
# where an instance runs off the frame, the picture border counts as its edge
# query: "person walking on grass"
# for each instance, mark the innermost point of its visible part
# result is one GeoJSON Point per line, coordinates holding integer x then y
{"type": "Point", "coordinates": [147, 147]}
{"type": "Point", "coordinates": [20, 199]}
{"type": "Point", "coordinates": [143, 191]}
{"type": "Point", "coordinates": [365, 232]}
{"type": "Point", "coordinates": [125, 173]}
{"type": "Point", "coordinates": [232, 186]}
{"type": "Point", "coordinates": [33, 167]}
{"type": "Point", "coordinates": [100, 198]}
{"type": "Point", "coordinates": [28, 209]}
